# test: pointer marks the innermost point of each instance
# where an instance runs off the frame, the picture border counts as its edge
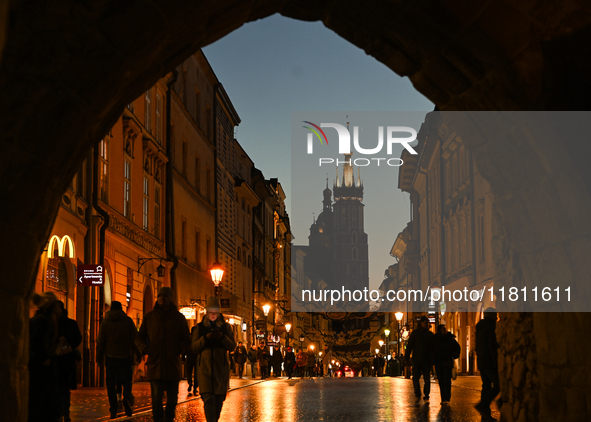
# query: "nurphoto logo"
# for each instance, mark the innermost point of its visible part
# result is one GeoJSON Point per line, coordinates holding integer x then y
{"type": "Point", "coordinates": [345, 143]}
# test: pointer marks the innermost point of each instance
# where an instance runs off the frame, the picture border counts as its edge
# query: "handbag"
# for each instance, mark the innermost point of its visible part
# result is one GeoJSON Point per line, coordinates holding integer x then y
{"type": "Point", "coordinates": [454, 371]}
{"type": "Point", "coordinates": [63, 347]}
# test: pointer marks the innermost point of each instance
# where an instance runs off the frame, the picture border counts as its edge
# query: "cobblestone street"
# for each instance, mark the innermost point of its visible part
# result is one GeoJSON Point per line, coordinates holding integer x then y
{"type": "Point", "coordinates": [327, 399]}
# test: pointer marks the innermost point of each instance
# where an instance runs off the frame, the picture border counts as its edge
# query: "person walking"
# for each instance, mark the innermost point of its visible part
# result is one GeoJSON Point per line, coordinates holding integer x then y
{"type": "Point", "coordinates": [301, 360]}
{"type": "Point", "coordinates": [43, 376]}
{"type": "Point", "coordinates": [326, 357]}
{"type": "Point", "coordinates": [164, 336]}
{"type": "Point", "coordinates": [69, 338]}
{"type": "Point", "coordinates": [289, 362]}
{"type": "Point", "coordinates": [487, 355]}
{"type": "Point", "coordinates": [445, 350]}
{"type": "Point", "coordinates": [211, 342]}
{"type": "Point", "coordinates": [420, 345]}
{"type": "Point", "coordinates": [365, 367]}
{"type": "Point", "coordinates": [263, 359]}
{"type": "Point", "coordinates": [277, 361]}
{"type": "Point", "coordinates": [116, 345]}
{"type": "Point", "coordinates": [191, 368]}
{"type": "Point", "coordinates": [240, 358]}
{"type": "Point", "coordinates": [310, 362]}
{"type": "Point", "coordinates": [252, 360]}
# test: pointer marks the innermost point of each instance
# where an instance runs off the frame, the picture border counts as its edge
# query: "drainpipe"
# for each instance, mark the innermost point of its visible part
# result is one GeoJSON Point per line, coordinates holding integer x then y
{"type": "Point", "coordinates": [101, 261]}
{"type": "Point", "coordinates": [169, 223]}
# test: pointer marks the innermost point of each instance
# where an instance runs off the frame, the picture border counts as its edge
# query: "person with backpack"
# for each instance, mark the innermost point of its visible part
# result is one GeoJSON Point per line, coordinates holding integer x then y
{"type": "Point", "coordinates": [445, 351]}
{"type": "Point", "coordinates": [211, 342]}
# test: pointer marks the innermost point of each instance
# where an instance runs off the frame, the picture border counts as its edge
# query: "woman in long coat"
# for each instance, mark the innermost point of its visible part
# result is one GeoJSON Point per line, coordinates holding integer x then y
{"type": "Point", "coordinates": [211, 343]}
{"type": "Point", "coordinates": [446, 350]}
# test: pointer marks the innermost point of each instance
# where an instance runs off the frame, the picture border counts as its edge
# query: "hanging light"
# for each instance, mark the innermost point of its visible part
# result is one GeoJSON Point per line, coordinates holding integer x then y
{"type": "Point", "coordinates": [266, 309]}
{"type": "Point", "coordinates": [160, 269]}
{"type": "Point", "coordinates": [217, 272]}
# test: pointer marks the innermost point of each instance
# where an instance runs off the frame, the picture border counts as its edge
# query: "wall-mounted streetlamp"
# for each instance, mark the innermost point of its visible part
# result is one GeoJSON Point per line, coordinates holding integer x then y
{"type": "Point", "coordinates": [217, 272]}
{"type": "Point", "coordinates": [160, 269]}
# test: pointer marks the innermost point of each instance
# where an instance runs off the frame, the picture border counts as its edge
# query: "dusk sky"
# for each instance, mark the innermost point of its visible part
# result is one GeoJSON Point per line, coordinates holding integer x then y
{"type": "Point", "coordinates": [277, 66]}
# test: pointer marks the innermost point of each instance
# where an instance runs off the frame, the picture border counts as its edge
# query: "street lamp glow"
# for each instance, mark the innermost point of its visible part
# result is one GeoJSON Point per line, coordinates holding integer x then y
{"type": "Point", "coordinates": [377, 351]}
{"type": "Point", "coordinates": [381, 343]}
{"type": "Point", "coordinates": [266, 309]}
{"type": "Point", "coordinates": [287, 327]}
{"type": "Point", "coordinates": [399, 316]}
{"type": "Point", "coordinates": [217, 272]}
{"type": "Point", "coordinates": [319, 353]}
{"type": "Point", "coordinates": [312, 346]}
{"type": "Point", "coordinates": [387, 332]}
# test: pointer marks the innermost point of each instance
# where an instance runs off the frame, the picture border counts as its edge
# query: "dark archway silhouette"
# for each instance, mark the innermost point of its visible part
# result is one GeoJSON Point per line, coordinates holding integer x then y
{"type": "Point", "coordinates": [68, 68]}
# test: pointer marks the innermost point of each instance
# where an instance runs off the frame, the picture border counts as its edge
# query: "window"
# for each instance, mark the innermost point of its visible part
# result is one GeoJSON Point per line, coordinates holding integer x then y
{"type": "Point", "coordinates": [481, 229]}
{"type": "Point", "coordinates": [208, 252]}
{"type": "Point", "coordinates": [198, 249]}
{"type": "Point", "coordinates": [197, 175]}
{"type": "Point", "coordinates": [208, 184]}
{"type": "Point", "coordinates": [183, 238]}
{"type": "Point", "coordinates": [249, 262]}
{"type": "Point", "coordinates": [207, 121]}
{"type": "Point", "coordinates": [130, 107]}
{"type": "Point", "coordinates": [129, 293]}
{"type": "Point", "coordinates": [184, 162]}
{"type": "Point", "coordinates": [157, 211]}
{"type": "Point", "coordinates": [127, 189]}
{"type": "Point", "coordinates": [146, 204]}
{"type": "Point", "coordinates": [148, 110]}
{"type": "Point", "coordinates": [158, 118]}
{"type": "Point", "coordinates": [104, 170]}
{"type": "Point", "coordinates": [354, 253]}
{"type": "Point", "coordinates": [239, 254]}
{"type": "Point", "coordinates": [198, 108]}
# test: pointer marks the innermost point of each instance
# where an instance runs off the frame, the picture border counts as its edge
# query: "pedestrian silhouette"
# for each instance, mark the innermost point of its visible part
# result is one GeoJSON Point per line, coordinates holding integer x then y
{"type": "Point", "coordinates": [211, 342]}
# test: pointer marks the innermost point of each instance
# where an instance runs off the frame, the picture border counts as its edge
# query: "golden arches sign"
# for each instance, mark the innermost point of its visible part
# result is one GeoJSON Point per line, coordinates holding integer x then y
{"type": "Point", "coordinates": [61, 244]}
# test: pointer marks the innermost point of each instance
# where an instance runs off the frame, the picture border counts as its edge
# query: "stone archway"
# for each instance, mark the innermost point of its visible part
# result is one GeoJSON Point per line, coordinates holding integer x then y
{"type": "Point", "coordinates": [67, 69]}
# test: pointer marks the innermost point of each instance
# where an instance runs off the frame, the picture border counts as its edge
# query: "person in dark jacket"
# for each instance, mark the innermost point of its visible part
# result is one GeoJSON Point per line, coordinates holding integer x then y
{"type": "Point", "coordinates": [277, 361]}
{"type": "Point", "coordinates": [311, 361]}
{"type": "Point", "coordinates": [116, 344]}
{"type": "Point", "coordinates": [289, 362]}
{"type": "Point", "coordinates": [487, 354]}
{"type": "Point", "coordinates": [263, 358]}
{"type": "Point", "coordinates": [191, 367]}
{"type": "Point", "coordinates": [164, 336]}
{"type": "Point", "coordinates": [211, 342]}
{"type": "Point", "coordinates": [445, 350]}
{"type": "Point", "coordinates": [420, 345]}
{"type": "Point", "coordinates": [70, 338]}
{"type": "Point", "coordinates": [252, 360]}
{"type": "Point", "coordinates": [43, 377]}
{"type": "Point", "coordinates": [240, 358]}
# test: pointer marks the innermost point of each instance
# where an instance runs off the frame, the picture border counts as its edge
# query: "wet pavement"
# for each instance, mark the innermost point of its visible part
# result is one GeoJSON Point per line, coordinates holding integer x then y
{"type": "Point", "coordinates": [319, 399]}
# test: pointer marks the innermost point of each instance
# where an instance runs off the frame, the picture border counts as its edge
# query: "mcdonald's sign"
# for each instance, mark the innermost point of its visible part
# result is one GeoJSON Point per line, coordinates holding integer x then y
{"type": "Point", "coordinates": [61, 246]}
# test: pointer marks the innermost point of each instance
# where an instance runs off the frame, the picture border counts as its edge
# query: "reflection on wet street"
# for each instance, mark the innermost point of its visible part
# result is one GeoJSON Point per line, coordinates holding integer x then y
{"type": "Point", "coordinates": [337, 399]}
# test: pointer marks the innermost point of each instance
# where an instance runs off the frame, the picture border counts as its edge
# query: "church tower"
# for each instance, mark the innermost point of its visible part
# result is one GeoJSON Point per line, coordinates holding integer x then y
{"type": "Point", "coordinates": [349, 248]}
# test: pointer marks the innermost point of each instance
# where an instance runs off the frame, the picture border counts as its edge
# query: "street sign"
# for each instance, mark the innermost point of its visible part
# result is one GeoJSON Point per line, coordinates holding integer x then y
{"type": "Point", "coordinates": [90, 275]}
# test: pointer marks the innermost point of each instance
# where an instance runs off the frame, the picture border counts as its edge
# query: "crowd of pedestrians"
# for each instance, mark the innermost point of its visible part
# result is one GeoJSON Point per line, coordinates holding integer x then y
{"type": "Point", "coordinates": [211, 355]}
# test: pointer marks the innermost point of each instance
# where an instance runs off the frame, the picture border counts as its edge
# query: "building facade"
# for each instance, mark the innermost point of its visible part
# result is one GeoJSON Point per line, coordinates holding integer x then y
{"type": "Point", "coordinates": [447, 243]}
